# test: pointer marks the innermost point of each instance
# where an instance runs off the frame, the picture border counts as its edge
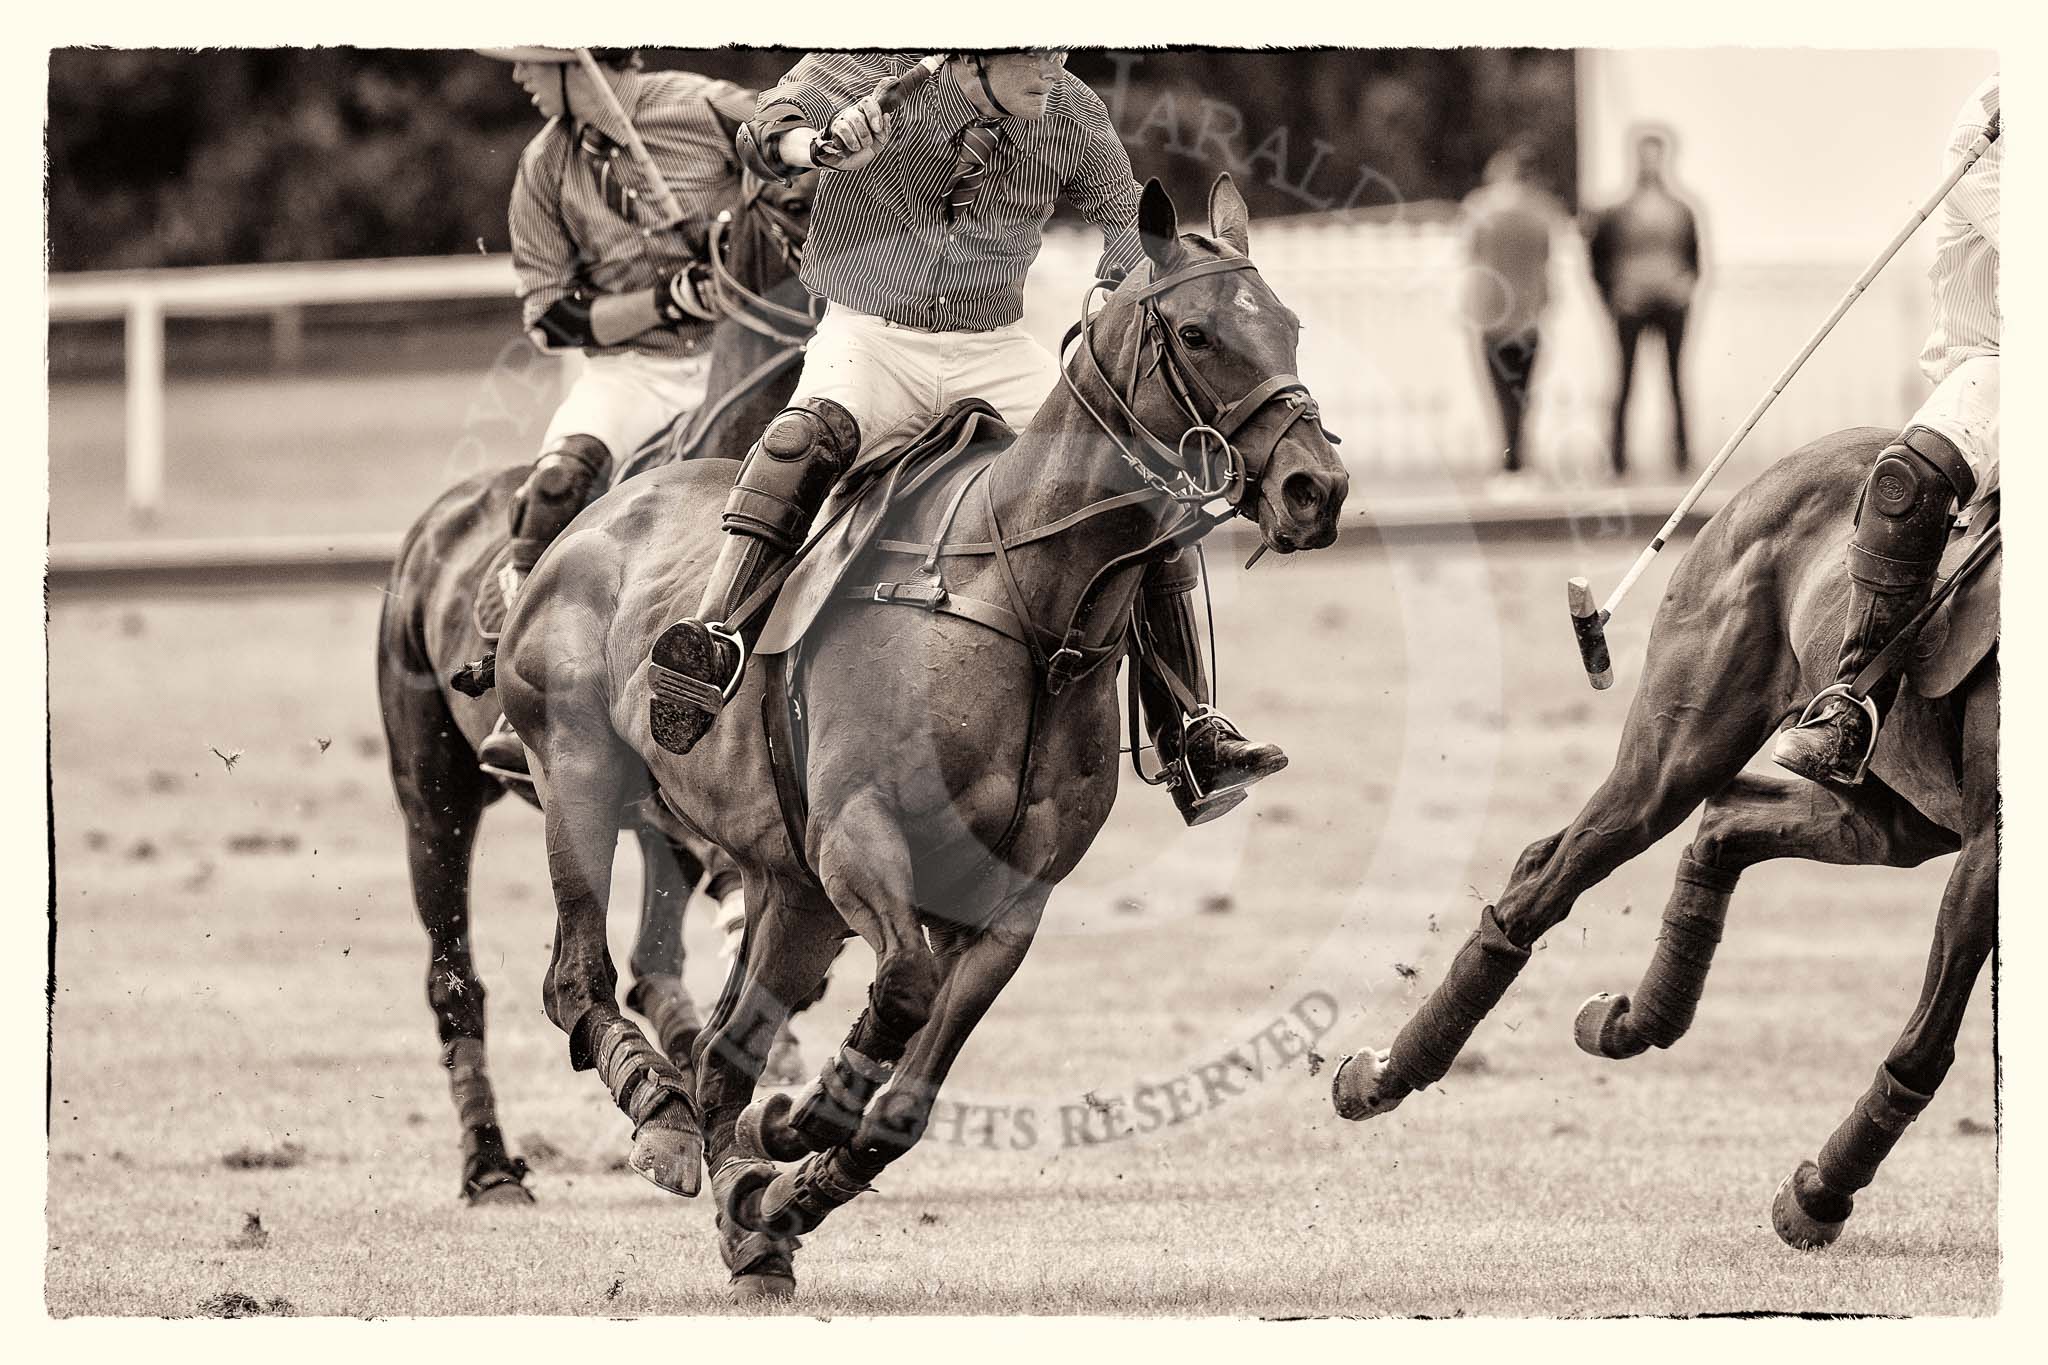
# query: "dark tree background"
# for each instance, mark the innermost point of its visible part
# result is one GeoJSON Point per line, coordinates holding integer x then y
{"type": "Point", "coordinates": [162, 158]}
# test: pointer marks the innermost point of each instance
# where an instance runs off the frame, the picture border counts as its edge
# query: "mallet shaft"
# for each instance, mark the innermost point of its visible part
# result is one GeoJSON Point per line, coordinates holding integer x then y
{"type": "Point", "coordinates": [664, 199]}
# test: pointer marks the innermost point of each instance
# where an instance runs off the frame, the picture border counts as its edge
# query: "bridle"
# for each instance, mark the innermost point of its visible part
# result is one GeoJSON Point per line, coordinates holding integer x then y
{"type": "Point", "coordinates": [1165, 470]}
{"type": "Point", "coordinates": [1219, 468]}
{"type": "Point", "coordinates": [749, 308]}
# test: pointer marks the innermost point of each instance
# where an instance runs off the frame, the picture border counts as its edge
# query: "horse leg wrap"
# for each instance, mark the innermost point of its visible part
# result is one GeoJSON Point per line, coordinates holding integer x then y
{"type": "Point", "coordinates": [475, 1103]}
{"type": "Point", "coordinates": [664, 1002]}
{"type": "Point", "coordinates": [830, 1109]}
{"type": "Point", "coordinates": [486, 1165]}
{"type": "Point", "coordinates": [799, 1200]}
{"type": "Point", "coordinates": [1669, 995]}
{"type": "Point", "coordinates": [1486, 965]}
{"type": "Point", "coordinates": [1852, 1154]}
{"type": "Point", "coordinates": [643, 1083]}
{"type": "Point", "coordinates": [755, 1254]}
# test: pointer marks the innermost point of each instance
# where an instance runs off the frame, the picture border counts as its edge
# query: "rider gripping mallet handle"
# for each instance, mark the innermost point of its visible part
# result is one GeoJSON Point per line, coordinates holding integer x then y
{"type": "Point", "coordinates": [827, 151]}
{"type": "Point", "coordinates": [1590, 624]}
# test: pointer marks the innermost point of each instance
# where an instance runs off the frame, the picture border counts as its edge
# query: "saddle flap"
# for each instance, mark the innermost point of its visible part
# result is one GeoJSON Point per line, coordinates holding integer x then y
{"type": "Point", "coordinates": [858, 508]}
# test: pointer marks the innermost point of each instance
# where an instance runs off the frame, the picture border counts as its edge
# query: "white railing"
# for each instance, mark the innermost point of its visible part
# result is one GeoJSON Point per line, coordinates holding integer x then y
{"type": "Point", "coordinates": [144, 298]}
{"type": "Point", "coordinates": [1384, 347]}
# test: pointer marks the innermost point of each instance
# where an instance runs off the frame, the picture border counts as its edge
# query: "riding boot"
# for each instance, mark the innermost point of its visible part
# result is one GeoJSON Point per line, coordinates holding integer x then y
{"type": "Point", "coordinates": [696, 664]}
{"type": "Point", "coordinates": [564, 481]}
{"type": "Point", "coordinates": [1902, 522]}
{"type": "Point", "coordinates": [1209, 762]}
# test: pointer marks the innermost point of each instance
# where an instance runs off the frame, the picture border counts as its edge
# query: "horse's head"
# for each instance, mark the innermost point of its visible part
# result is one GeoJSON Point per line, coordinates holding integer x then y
{"type": "Point", "coordinates": [1214, 355]}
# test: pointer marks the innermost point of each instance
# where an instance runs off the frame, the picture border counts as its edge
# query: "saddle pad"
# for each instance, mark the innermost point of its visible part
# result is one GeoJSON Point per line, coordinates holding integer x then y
{"type": "Point", "coordinates": [1959, 635]}
{"type": "Point", "coordinates": [488, 611]}
{"type": "Point", "coordinates": [859, 506]}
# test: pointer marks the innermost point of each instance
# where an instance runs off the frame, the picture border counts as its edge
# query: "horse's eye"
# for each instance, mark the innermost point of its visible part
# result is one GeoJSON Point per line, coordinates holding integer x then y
{"type": "Point", "coordinates": [1193, 337]}
{"type": "Point", "coordinates": [798, 208]}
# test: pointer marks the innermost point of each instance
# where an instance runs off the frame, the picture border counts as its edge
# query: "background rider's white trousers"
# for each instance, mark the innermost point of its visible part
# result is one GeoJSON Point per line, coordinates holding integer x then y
{"type": "Point", "coordinates": [884, 373]}
{"type": "Point", "coordinates": [627, 398]}
{"type": "Point", "coordinates": [1964, 408]}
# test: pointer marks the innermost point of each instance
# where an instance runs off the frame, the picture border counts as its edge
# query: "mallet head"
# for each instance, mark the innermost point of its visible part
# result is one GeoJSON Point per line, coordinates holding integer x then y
{"type": "Point", "coordinates": [1589, 623]}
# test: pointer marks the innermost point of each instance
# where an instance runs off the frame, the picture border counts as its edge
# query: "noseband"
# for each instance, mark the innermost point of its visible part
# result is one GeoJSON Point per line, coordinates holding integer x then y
{"type": "Point", "coordinates": [1216, 466]}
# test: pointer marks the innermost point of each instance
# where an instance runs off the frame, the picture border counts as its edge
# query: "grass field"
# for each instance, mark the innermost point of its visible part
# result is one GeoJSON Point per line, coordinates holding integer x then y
{"type": "Point", "coordinates": [241, 1029]}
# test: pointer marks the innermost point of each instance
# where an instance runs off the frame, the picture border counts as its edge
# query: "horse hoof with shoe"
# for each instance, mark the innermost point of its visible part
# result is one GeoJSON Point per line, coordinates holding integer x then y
{"type": "Point", "coordinates": [1355, 1088]}
{"type": "Point", "coordinates": [1599, 1029]}
{"type": "Point", "coordinates": [670, 1153]}
{"type": "Point", "coordinates": [1794, 1224]}
{"type": "Point", "coordinates": [764, 1127]}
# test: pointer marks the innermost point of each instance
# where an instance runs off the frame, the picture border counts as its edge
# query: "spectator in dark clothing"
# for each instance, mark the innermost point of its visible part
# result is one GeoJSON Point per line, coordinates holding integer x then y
{"type": "Point", "coordinates": [1508, 226]}
{"type": "Point", "coordinates": [1645, 254]}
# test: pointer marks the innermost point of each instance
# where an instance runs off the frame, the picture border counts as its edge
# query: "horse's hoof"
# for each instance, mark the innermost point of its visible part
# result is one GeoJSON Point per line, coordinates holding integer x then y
{"type": "Point", "coordinates": [762, 1288]}
{"type": "Point", "coordinates": [763, 1130]}
{"type": "Point", "coordinates": [671, 1157]}
{"type": "Point", "coordinates": [1355, 1089]}
{"type": "Point", "coordinates": [503, 1193]}
{"type": "Point", "coordinates": [737, 1185]}
{"type": "Point", "coordinates": [1795, 1225]}
{"type": "Point", "coordinates": [1598, 1029]}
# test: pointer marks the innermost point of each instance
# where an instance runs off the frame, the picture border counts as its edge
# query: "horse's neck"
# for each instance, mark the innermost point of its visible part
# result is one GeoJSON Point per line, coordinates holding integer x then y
{"type": "Point", "coordinates": [1060, 464]}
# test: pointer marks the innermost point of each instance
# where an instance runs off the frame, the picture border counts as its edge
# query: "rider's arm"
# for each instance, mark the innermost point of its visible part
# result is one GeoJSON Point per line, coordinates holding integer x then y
{"type": "Point", "coordinates": [1975, 196]}
{"type": "Point", "coordinates": [815, 89]}
{"type": "Point", "coordinates": [1101, 186]}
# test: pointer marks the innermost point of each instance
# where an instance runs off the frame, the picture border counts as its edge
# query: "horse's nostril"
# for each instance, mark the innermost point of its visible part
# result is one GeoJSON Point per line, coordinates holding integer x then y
{"type": "Point", "coordinates": [1303, 493]}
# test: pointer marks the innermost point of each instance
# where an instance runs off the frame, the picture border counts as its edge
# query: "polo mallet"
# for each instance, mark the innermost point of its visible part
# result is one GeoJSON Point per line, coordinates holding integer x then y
{"type": "Point", "coordinates": [669, 211]}
{"type": "Point", "coordinates": [827, 150]}
{"type": "Point", "coordinates": [1590, 624]}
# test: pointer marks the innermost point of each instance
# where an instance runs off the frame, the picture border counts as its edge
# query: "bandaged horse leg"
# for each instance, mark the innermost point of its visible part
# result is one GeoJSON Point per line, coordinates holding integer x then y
{"type": "Point", "coordinates": [564, 481]}
{"type": "Point", "coordinates": [1689, 731]}
{"type": "Point", "coordinates": [1210, 760]}
{"type": "Point", "coordinates": [1902, 522]}
{"type": "Point", "coordinates": [671, 870]}
{"type": "Point", "coordinates": [696, 662]}
{"type": "Point", "coordinates": [1753, 819]}
{"type": "Point", "coordinates": [800, 1199]}
{"type": "Point", "coordinates": [583, 785]}
{"type": "Point", "coordinates": [1815, 1201]}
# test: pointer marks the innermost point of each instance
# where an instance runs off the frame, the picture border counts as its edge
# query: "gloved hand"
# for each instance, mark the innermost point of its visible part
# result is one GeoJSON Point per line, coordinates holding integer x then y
{"type": "Point", "coordinates": [685, 296]}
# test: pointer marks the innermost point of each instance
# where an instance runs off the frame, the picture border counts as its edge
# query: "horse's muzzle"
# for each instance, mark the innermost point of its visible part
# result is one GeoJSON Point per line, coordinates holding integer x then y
{"type": "Point", "coordinates": [1303, 514]}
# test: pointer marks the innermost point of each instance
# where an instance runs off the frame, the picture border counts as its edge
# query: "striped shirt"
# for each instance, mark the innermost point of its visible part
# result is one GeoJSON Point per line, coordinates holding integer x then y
{"type": "Point", "coordinates": [1965, 269]}
{"type": "Point", "coordinates": [567, 236]}
{"type": "Point", "coordinates": [880, 242]}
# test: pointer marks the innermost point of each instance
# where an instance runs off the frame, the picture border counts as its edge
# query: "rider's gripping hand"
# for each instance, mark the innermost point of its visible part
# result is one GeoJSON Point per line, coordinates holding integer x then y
{"type": "Point", "coordinates": [861, 130]}
{"type": "Point", "coordinates": [684, 296]}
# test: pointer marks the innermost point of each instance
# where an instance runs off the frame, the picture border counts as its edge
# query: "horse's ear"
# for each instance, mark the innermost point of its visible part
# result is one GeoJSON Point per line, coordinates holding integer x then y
{"type": "Point", "coordinates": [1229, 219]}
{"type": "Point", "coordinates": [728, 128]}
{"type": "Point", "coordinates": [1158, 224]}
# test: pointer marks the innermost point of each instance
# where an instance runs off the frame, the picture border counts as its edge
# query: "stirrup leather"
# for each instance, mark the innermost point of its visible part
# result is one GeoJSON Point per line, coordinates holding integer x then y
{"type": "Point", "coordinates": [1869, 710]}
{"type": "Point", "coordinates": [694, 693]}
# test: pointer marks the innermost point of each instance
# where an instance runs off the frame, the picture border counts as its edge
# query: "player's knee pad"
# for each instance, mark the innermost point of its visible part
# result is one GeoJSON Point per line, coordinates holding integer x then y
{"type": "Point", "coordinates": [789, 471]}
{"type": "Point", "coordinates": [1907, 506]}
{"type": "Point", "coordinates": [564, 481]}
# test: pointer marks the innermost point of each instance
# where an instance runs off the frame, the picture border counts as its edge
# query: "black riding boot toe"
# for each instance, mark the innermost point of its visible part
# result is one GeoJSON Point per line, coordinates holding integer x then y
{"type": "Point", "coordinates": [502, 749]}
{"type": "Point", "coordinates": [690, 669]}
{"type": "Point", "coordinates": [1829, 747]}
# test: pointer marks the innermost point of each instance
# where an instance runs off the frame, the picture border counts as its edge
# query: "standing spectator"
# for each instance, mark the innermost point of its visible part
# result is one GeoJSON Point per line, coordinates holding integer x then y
{"type": "Point", "coordinates": [1508, 224]}
{"type": "Point", "coordinates": [1645, 254]}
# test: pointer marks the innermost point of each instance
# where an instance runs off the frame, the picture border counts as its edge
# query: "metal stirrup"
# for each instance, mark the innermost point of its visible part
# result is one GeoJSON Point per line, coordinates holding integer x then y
{"type": "Point", "coordinates": [1869, 709]}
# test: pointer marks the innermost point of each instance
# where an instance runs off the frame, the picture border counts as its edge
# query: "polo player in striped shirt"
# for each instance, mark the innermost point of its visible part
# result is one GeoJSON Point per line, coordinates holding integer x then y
{"type": "Point", "coordinates": [1909, 503]}
{"type": "Point", "coordinates": [598, 274]}
{"type": "Point", "coordinates": [921, 236]}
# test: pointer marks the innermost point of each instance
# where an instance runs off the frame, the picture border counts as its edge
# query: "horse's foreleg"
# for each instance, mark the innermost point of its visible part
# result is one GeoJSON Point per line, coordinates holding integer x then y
{"type": "Point", "coordinates": [1708, 697]}
{"type": "Point", "coordinates": [800, 1199]}
{"type": "Point", "coordinates": [1815, 1201]}
{"type": "Point", "coordinates": [584, 774]}
{"type": "Point", "coordinates": [670, 872]}
{"type": "Point", "coordinates": [1753, 819]}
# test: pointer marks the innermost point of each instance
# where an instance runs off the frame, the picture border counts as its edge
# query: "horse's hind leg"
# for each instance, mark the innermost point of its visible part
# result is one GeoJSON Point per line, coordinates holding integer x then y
{"type": "Point", "coordinates": [1753, 819]}
{"type": "Point", "coordinates": [1716, 679]}
{"type": "Point", "coordinates": [671, 869]}
{"type": "Point", "coordinates": [1816, 1200]}
{"type": "Point", "coordinates": [441, 796]}
{"type": "Point", "coordinates": [585, 775]}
